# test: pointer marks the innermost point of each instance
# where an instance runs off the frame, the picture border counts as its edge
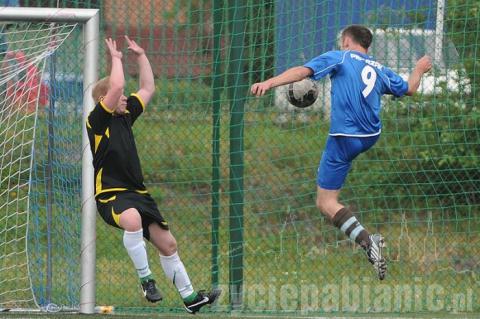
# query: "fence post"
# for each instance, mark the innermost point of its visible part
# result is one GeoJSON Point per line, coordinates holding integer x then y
{"type": "Point", "coordinates": [236, 96]}
{"type": "Point", "coordinates": [216, 106]}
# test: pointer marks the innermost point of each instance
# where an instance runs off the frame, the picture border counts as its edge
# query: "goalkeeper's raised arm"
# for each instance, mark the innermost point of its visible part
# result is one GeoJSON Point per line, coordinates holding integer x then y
{"type": "Point", "coordinates": [147, 85]}
{"type": "Point", "coordinates": [116, 81]}
{"type": "Point", "coordinates": [108, 94]}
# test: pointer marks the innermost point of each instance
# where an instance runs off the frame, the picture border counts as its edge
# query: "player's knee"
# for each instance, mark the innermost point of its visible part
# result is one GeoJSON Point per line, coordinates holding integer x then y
{"type": "Point", "coordinates": [130, 220]}
{"type": "Point", "coordinates": [170, 246]}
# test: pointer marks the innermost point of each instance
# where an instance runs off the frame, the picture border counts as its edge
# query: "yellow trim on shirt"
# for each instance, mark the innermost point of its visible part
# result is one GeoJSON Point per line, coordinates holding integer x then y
{"type": "Point", "coordinates": [107, 132]}
{"type": "Point", "coordinates": [107, 190]}
{"type": "Point", "coordinates": [98, 139]}
{"type": "Point", "coordinates": [140, 99]}
{"type": "Point", "coordinates": [116, 217]}
{"type": "Point", "coordinates": [104, 201]}
{"type": "Point", "coordinates": [98, 182]}
{"type": "Point", "coordinates": [105, 107]}
{"type": "Point", "coordinates": [142, 191]}
{"type": "Point", "coordinates": [88, 124]}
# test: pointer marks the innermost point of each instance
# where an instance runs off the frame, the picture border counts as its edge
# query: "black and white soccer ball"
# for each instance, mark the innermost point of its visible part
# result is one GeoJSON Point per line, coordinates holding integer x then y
{"type": "Point", "coordinates": [302, 93]}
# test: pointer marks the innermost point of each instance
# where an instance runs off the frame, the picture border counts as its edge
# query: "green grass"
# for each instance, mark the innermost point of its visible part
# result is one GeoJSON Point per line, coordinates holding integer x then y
{"type": "Point", "coordinates": [288, 244]}
{"type": "Point", "coordinates": [418, 186]}
{"type": "Point", "coordinates": [236, 315]}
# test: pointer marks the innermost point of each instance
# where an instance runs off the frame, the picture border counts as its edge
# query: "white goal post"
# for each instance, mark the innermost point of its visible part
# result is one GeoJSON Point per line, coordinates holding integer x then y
{"type": "Point", "coordinates": [90, 20]}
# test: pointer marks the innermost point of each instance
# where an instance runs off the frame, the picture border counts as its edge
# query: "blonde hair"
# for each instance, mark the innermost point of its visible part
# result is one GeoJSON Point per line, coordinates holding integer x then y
{"type": "Point", "coordinates": [100, 89]}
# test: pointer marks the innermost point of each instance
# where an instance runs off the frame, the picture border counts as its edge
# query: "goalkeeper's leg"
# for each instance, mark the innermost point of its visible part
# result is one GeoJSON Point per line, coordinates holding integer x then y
{"type": "Point", "coordinates": [131, 221]}
{"type": "Point", "coordinates": [175, 270]}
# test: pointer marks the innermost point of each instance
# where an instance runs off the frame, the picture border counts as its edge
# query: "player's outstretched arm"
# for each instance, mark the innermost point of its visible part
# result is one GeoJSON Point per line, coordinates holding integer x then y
{"type": "Point", "coordinates": [117, 79]}
{"type": "Point", "coordinates": [147, 85]}
{"type": "Point", "coordinates": [424, 64]}
{"type": "Point", "coordinates": [291, 75]}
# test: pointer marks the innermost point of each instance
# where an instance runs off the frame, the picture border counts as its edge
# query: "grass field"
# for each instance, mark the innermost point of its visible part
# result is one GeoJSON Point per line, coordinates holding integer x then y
{"type": "Point", "coordinates": [238, 316]}
{"type": "Point", "coordinates": [418, 186]}
{"type": "Point", "coordinates": [291, 251]}
{"type": "Point", "coordinates": [288, 245]}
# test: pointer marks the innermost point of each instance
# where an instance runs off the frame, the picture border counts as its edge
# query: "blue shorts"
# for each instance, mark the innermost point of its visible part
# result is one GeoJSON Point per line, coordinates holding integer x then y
{"type": "Point", "coordinates": [337, 159]}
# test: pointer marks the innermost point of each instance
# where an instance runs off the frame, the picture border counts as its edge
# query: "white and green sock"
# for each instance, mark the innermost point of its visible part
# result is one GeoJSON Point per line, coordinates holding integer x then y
{"type": "Point", "coordinates": [176, 272]}
{"type": "Point", "coordinates": [135, 245]}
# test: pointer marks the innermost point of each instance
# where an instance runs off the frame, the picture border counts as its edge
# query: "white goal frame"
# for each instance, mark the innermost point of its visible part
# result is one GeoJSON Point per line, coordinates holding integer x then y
{"type": "Point", "coordinates": [89, 18]}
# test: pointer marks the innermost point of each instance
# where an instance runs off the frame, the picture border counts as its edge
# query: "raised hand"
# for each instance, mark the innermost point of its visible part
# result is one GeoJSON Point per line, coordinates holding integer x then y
{"type": "Point", "coordinates": [134, 47]}
{"type": "Point", "coordinates": [260, 88]}
{"type": "Point", "coordinates": [112, 47]}
{"type": "Point", "coordinates": [424, 64]}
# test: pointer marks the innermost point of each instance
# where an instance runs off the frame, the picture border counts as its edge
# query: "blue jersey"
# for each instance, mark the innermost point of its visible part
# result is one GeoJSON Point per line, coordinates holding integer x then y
{"type": "Point", "coordinates": [358, 83]}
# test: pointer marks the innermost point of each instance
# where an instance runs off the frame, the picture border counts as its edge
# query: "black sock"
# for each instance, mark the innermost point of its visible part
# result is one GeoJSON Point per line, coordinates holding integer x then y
{"type": "Point", "coordinates": [348, 224]}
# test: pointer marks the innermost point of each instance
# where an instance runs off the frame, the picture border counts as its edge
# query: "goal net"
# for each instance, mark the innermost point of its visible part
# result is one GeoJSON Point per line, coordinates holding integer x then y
{"type": "Point", "coordinates": [41, 97]}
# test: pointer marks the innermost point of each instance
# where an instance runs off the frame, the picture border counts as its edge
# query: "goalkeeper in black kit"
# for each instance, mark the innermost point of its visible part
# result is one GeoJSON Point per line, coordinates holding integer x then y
{"type": "Point", "coordinates": [121, 196]}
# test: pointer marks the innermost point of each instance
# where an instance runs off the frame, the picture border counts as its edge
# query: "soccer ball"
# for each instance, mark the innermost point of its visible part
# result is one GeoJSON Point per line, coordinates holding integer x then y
{"type": "Point", "coordinates": [302, 93]}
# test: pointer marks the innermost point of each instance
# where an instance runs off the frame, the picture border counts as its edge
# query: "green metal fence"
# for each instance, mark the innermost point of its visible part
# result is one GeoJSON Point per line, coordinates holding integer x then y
{"type": "Point", "coordinates": [235, 175]}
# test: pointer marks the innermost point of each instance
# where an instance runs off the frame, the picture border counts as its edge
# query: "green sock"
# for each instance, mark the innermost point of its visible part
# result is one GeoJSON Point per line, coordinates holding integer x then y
{"type": "Point", "coordinates": [190, 298]}
{"type": "Point", "coordinates": [146, 278]}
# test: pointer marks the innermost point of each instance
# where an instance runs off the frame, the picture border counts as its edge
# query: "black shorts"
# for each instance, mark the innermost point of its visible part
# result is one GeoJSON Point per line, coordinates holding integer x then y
{"type": "Point", "coordinates": [111, 205]}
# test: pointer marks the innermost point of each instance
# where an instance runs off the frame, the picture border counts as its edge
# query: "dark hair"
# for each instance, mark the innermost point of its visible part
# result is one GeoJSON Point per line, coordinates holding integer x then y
{"type": "Point", "coordinates": [359, 34]}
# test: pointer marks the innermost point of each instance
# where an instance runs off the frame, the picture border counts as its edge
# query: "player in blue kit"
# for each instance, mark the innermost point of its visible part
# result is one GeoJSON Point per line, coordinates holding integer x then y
{"type": "Point", "coordinates": [358, 83]}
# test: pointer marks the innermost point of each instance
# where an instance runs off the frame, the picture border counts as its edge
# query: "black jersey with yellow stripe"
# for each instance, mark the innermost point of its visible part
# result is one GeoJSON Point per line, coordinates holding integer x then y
{"type": "Point", "coordinates": [115, 157]}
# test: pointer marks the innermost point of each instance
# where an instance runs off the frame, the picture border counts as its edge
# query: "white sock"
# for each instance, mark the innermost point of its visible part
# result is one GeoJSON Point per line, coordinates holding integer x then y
{"type": "Point", "coordinates": [135, 245]}
{"type": "Point", "coordinates": [175, 271]}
